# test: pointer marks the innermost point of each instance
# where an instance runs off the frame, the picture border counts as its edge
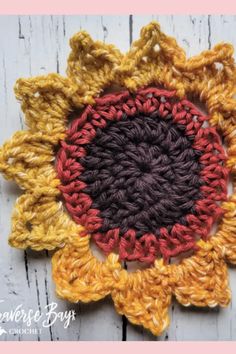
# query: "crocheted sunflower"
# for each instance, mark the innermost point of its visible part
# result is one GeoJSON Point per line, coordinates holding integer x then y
{"type": "Point", "coordinates": [138, 169]}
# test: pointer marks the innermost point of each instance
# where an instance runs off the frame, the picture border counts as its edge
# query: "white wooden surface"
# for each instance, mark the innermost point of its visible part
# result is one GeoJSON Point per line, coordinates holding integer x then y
{"type": "Point", "coordinates": [33, 45]}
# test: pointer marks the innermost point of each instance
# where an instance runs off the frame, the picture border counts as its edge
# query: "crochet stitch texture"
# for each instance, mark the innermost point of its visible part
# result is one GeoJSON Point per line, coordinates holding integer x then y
{"type": "Point", "coordinates": [141, 172]}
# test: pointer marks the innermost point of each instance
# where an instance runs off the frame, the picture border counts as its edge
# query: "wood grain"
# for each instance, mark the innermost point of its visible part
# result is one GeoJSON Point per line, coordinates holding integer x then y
{"type": "Point", "coordinates": [35, 45]}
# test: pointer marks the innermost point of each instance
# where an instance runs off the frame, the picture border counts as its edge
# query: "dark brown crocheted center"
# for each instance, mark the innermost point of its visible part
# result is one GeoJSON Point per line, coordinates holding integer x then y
{"type": "Point", "coordinates": [142, 174]}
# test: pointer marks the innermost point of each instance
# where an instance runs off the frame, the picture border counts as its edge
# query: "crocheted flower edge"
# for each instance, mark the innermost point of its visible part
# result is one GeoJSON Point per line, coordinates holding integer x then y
{"type": "Point", "coordinates": [39, 220]}
{"type": "Point", "coordinates": [143, 296]}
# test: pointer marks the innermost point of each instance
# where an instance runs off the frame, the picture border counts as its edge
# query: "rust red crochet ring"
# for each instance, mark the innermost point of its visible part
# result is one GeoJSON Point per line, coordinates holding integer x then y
{"type": "Point", "coordinates": [143, 173]}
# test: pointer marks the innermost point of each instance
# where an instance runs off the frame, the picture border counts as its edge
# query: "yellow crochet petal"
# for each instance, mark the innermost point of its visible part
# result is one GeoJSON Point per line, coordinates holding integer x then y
{"type": "Point", "coordinates": [202, 280]}
{"type": "Point", "coordinates": [150, 60]}
{"type": "Point", "coordinates": [46, 102]}
{"type": "Point", "coordinates": [39, 221]}
{"type": "Point", "coordinates": [226, 236]}
{"type": "Point", "coordinates": [27, 159]}
{"type": "Point", "coordinates": [217, 91]}
{"type": "Point", "coordinates": [79, 276]}
{"type": "Point", "coordinates": [145, 298]}
{"type": "Point", "coordinates": [92, 65]}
